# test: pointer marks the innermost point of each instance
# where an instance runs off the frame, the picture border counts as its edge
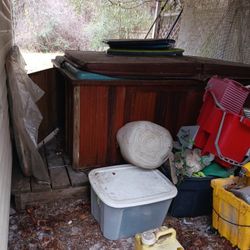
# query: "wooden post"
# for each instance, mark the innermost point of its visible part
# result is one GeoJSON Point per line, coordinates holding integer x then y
{"type": "Point", "coordinates": [76, 127]}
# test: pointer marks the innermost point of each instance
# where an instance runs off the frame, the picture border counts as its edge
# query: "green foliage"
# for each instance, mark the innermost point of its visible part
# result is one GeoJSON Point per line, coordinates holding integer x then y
{"type": "Point", "coordinates": [45, 25]}
{"type": "Point", "coordinates": [114, 21]}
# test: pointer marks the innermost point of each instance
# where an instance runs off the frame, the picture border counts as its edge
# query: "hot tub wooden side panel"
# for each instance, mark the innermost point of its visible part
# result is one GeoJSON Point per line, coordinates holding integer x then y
{"type": "Point", "coordinates": [103, 109]}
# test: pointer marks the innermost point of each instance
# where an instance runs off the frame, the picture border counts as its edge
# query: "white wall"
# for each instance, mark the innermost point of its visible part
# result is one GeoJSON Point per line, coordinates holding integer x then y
{"type": "Point", "coordinates": [5, 146]}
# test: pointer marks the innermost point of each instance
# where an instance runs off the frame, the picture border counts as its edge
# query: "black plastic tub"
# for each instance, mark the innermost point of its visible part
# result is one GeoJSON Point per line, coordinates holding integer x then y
{"type": "Point", "coordinates": [194, 198]}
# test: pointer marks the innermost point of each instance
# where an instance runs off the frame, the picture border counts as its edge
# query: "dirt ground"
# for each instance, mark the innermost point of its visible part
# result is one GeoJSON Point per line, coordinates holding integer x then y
{"type": "Point", "coordinates": [69, 225]}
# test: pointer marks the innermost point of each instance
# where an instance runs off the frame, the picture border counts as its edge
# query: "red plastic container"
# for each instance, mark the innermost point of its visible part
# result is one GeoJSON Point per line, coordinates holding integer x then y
{"type": "Point", "coordinates": [230, 95]}
{"type": "Point", "coordinates": [209, 122]}
{"type": "Point", "coordinates": [222, 133]}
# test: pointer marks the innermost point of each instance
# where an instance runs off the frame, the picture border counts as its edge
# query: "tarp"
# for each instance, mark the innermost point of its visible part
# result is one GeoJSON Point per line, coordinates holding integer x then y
{"type": "Point", "coordinates": [217, 29]}
{"type": "Point", "coordinates": [25, 116]}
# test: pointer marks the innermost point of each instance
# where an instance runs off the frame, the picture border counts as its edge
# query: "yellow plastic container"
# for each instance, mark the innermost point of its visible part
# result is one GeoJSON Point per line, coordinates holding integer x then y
{"type": "Point", "coordinates": [231, 215]}
{"type": "Point", "coordinates": [246, 169]}
{"type": "Point", "coordinates": [158, 239]}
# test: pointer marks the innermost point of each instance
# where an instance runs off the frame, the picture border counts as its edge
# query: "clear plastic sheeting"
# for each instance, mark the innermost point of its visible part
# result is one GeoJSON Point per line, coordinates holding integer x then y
{"type": "Point", "coordinates": [216, 29]}
{"type": "Point", "coordinates": [26, 117]}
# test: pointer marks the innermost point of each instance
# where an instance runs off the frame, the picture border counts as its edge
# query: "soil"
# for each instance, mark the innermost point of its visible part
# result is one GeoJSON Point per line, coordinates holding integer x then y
{"type": "Point", "coordinates": [69, 225]}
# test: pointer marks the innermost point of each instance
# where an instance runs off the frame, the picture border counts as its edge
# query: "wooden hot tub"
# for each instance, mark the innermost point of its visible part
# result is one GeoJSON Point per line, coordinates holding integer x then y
{"type": "Point", "coordinates": [167, 91]}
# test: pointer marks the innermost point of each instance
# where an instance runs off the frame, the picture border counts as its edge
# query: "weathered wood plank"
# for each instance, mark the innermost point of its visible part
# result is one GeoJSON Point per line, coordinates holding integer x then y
{"type": "Point", "coordinates": [56, 142]}
{"type": "Point", "coordinates": [76, 126]}
{"type": "Point", "coordinates": [66, 159]}
{"type": "Point", "coordinates": [54, 160]}
{"type": "Point", "coordinates": [59, 177]}
{"type": "Point", "coordinates": [116, 111]}
{"type": "Point", "coordinates": [37, 187]}
{"type": "Point", "coordinates": [24, 199]}
{"type": "Point", "coordinates": [93, 127]}
{"type": "Point", "coordinates": [42, 152]}
{"type": "Point", "coordinates": [53, 153]}
{"type": "Point", "coordinates": [77, 178]}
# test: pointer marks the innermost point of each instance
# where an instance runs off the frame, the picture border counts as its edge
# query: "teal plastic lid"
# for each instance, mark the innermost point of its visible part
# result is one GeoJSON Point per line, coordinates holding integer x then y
{"type": "Point", "coordinates": [216, 170]}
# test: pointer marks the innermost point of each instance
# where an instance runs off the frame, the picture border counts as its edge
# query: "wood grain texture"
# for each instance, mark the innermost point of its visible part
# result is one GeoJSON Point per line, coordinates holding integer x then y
{"type": "Point", "coordinates": [35, 186]}
{"type": "Point", "coordinates": [53, 152]}
{"type": "Point", "coordinates": [24, 199]}
{"type": "Point", "coordinates": [59, 178]}
{"type": "Point", "coordinates": [105, 109]}
{"type": "Point", "coordinates": [76, 125]}
{"type": "Point", "coordinates": [100, 62]}
{"type": "Point", "coordinates": [69, 117]}
{"type": "Point", "coordinates": [186, 66]}
{"type": "Point", "coordinates": [93, 126]}
{"type": "Point", "coordinates": [167, 91]}
{"type": "Point", "coordinates": [47, 105]}
{"type": "Point", "coordinates": [38, 187]}
{"type": "Point", "coordinates": [140, 104]}
{"type": "Point", "coordinates": [116, 114]}
{"type": "Point", "coordinates": [54, 160]}
{"type": "Point", "coordinates": [62, 178]}
{"type": "Point", "coordinates": [77, 178]}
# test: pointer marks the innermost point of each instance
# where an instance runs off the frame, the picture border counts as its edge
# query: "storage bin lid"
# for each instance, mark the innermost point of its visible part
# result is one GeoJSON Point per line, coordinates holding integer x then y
{"type": "Point", "coordinates": [128, 186]}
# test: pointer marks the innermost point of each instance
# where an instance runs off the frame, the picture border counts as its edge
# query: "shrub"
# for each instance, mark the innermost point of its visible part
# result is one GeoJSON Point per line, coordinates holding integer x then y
{"type": "Point", "coordinates": [47, 26]}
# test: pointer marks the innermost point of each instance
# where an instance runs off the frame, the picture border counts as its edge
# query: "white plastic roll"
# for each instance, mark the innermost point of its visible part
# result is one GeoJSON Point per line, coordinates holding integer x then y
{"type": "Point", "coordinates": [144, 144]}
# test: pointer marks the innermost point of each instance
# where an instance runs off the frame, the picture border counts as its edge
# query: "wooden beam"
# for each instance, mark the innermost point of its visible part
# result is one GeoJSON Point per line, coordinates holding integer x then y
{"type": "Point", "coordinates": [59, 178]}
{"type": "Point", "coordinates": [77, 178]}
{"type": "Point", "coordinates": [24, 199]}
{"type": "Point", "coordinates": [37, 187]}
{"type": "Point", "coordinates": [53, 153]}
{"type": "Point", "coordinates": [76, 127]}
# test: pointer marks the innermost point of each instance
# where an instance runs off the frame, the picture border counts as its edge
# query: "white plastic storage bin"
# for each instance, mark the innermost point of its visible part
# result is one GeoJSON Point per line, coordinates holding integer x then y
{"type": "Point", "coordinates": [126, 200]}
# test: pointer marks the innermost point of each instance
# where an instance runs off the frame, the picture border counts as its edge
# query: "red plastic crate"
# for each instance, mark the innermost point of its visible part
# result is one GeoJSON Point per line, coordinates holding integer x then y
{"type": "Point", "coordinates": [222, 133]}
{"type": "Point", "coordinates": [230, 95]}
{"type": "Point", "coordinates": [209, 122]}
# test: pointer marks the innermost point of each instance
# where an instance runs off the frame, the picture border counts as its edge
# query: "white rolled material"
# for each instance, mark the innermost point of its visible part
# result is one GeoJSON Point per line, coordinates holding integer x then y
{"type": "Point", "coordinates": [144, 144]}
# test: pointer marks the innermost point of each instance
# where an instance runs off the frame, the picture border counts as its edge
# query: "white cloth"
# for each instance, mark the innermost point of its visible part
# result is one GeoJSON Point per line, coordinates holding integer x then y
{"type": "Point", "coordinates": [144, 144]}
